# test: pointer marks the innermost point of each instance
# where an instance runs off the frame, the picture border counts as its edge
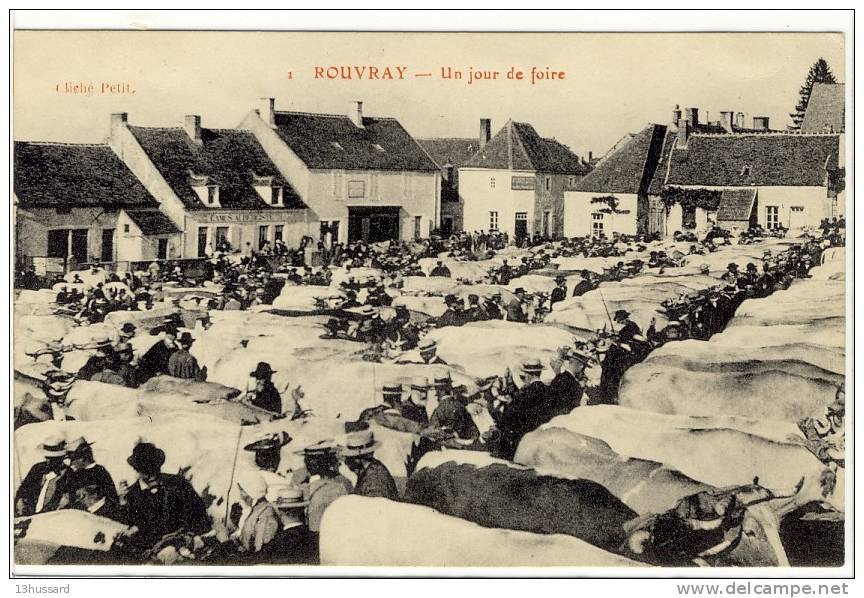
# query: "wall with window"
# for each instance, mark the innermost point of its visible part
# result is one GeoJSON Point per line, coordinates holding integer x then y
{"type": "Point", "coordinates": [32, 228]}
{"type": "Point", "coordinates": [549, 206]}
{"type": "Point", "coordinates": [580, 214]}
{"type": "Point", "coordinates": [485, 191]}
{"type": "Point", "coordinates": [811, 204]}
{"type": "Point", "coordinates": [133, 246]}
{"type": "Point", "coordinates": [241, 227]}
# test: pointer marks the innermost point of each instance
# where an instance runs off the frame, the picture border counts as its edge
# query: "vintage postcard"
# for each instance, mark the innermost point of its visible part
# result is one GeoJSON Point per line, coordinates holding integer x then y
{"type": "Point", "coordinates": [569, 301]}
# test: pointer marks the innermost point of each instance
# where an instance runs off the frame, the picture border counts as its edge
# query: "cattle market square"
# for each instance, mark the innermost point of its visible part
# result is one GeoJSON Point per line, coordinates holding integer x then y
{"type": "Point", "coordinates": [277, 343]}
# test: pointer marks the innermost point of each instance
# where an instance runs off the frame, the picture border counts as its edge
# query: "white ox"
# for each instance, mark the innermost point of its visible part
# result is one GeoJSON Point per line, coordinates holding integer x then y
{"type": "Point", "coordinates": [719, 451]}
{"type": "Point", "coordinates": [360, 531]}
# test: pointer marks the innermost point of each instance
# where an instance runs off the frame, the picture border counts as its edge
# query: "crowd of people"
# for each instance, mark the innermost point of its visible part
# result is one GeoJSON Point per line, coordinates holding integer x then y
{"type": "Point", "coordinates": [277, 517]}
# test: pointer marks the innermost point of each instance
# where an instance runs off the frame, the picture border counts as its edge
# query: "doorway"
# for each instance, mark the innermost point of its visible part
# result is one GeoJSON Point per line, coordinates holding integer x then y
{"type": "Point", "coordinates": [162, 249]}
{"type": "Point", "coordinates": [107, 244]}
{"type": "Point", "coordinates": [373, 224]}
{"type": "Point", "coordinates": [520, 225]}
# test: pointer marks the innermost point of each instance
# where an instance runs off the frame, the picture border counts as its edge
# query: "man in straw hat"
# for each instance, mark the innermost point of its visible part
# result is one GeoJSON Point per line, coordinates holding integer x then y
{"type": "Point", "coordinates": [265, 395]}
{"type": "Point", "coordinates": [259, 524]}
{"type": "Point", "coordinates": [414, 407]}
{"type": "Point", "coordinates": [85, 472]}
{"type": "Point", "coordinates": [567, 387]}
{"type": "Point", "coordinates": [182, 364]}
{"type": "Point", "coordinates": [158, 504]}
{"type": "Point", "coordinates": [525, 412]}
{"type": "Point", "coordinates": [428, 350]}
{"type": "Point", "coordinates": [324, 484]}
{"type": "Point", "coordinates": [44, 485]}
{"type": "Point", "coordinates": [357, 449]}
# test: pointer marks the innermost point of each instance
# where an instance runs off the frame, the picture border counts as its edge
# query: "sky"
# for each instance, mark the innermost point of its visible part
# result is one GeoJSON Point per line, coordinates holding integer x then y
{"type": "Point", "coordinates": [613, 84]}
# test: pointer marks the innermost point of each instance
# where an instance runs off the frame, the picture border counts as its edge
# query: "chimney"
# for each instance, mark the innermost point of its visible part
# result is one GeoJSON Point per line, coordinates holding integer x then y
{"type": "Point", "coordinates": [726, 119]}
{"type": "Point", "coordinates": [267, 111]}
{"type": "Point", "coordinates": [676, 115]}
{"type": "Point", "coordinates": [683, 132]}
{"type": "Point", "coordinates": [590, 157]}
{"type": "Point", "coordinates": [485, 131]}
{"type": "Point", "coordinates": [760, 123]}
{"type": "Point", "coordinates": [739, 120]}
{"type": "Point", "coordinates": [355, 113]}
{"type": "Point", "coordinates": [692, 116]}
{"type": "Point", "coordinates": [192, 124]}
{"type": "Point", "coordinates": [118, 120]}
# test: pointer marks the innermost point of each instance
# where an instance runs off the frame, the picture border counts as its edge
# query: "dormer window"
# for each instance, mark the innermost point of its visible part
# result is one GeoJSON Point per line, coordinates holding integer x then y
{"type": "Point", "coordinates": [212, 195]}
{"type": "Point", "coordinates": [275, 196]}
{"type": "Point", "coordinates": [337, 145]}
{"type": "Point", "coordinates": [745, 171]}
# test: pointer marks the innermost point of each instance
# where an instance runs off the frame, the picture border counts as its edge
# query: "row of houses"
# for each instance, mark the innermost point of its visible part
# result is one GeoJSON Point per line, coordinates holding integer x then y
{"type": "Point", "coordinates": [180, 192]}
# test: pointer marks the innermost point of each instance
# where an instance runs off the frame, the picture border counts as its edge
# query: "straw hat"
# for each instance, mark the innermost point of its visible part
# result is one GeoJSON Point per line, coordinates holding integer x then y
{"type": "Point", "coordinates": [53, 446]}
{"type": "Point", "coordinates": [355, 444]}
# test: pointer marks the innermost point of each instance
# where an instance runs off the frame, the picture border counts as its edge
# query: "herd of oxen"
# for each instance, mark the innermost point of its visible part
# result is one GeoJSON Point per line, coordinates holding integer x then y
{"type": "Point", "coordinates": [694, 416]}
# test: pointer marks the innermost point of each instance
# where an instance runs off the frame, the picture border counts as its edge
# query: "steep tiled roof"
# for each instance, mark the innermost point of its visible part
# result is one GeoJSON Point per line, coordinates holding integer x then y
{"type": "Point", "coordinates": [228, 157]}
{"type": "Point", "coordinates": [662, 169]}
{"type": "Point", "coordinates": [826, 110]}
{"type": "Point", "coordinates": [65, 175]}
{"type": "Point", "coordinates": [332, 141]}
{"type": "Point", "coordinates": [517, 146]}
{"type": "Point", "coordinates": [153, 222]}
{"type": "Point", "coordinates": [736, 204]}
{"type": "Point", "coordinates": [630, 167]}
{"type": "Point", "coordinates": [754, 160]}
{"type": "Point", "coordinates": [455, 151]}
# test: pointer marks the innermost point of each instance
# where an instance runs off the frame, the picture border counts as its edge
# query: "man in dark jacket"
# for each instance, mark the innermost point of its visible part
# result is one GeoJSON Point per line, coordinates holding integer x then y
{"type": "Point", "coordinates": [451, 414]}
{"type": "Point", "coordinates": [455, 314]}
{"type": "Point", "coordinates": [158, 503]}
{"type": "Point", "coordinates": [182, 364]}
{"type": "Point", "coordinates": [567, 387]}
{"type": "Point", "coordinates": [102, 360]}
{"type": "Point", "coordinates": [45, 484]}
{"type": "Point", "coordinates": [440, 270]}
{"type": "Point", "coordinates": [526, 410]}
{"type": "Point", "coordinates": [373, 478]}
{"type": "Point", "coordinates": [516, 308]}
{"type": "Point", "coordinates": [584, 285]}
{"type": "Point", "coordinates": [414, 407]}
{"type": "Point", "coordinates": [155, 361]}
{"type": "Point", "coordinates": [265, 394]}
{"type": "Point", "coordinates": [85, 472]}
{"type": "Point", "coordinates": [559, 293]}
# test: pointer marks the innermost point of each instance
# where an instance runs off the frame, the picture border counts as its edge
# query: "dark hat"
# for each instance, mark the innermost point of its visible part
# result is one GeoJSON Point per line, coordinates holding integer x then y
{"type": "Point", "coordinates": [186, 339]}
{"type": "Point", "coordinates": [274, 441]}
{"type": "Point", "coordinates": [146, 457]}
{"type": "Point", "coordinates": [448, 299]}
{"type": "Point", "coordinates": [262, 370]}
{"type": "Point", "coordinates": [128, 328]}
{"type": "Point", "coordinates": [560, 278]}
{"type": "Point", "coordinates": [392, 389]}
{"type": "Point", "coordinates": [519, 290]}
{"type": "Point", "coordinates": [732, 266]}
{"type": "Point", "coordinates": [621, 314]}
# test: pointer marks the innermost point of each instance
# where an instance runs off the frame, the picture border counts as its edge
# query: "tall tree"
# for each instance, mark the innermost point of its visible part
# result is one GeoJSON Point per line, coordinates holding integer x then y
{"type": "Point", "coordinates": [820, 72]}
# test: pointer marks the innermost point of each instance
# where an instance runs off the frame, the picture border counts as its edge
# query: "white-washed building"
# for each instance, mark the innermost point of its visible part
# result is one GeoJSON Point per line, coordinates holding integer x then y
{"type": "Point", "coordinates": [362, 178]}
